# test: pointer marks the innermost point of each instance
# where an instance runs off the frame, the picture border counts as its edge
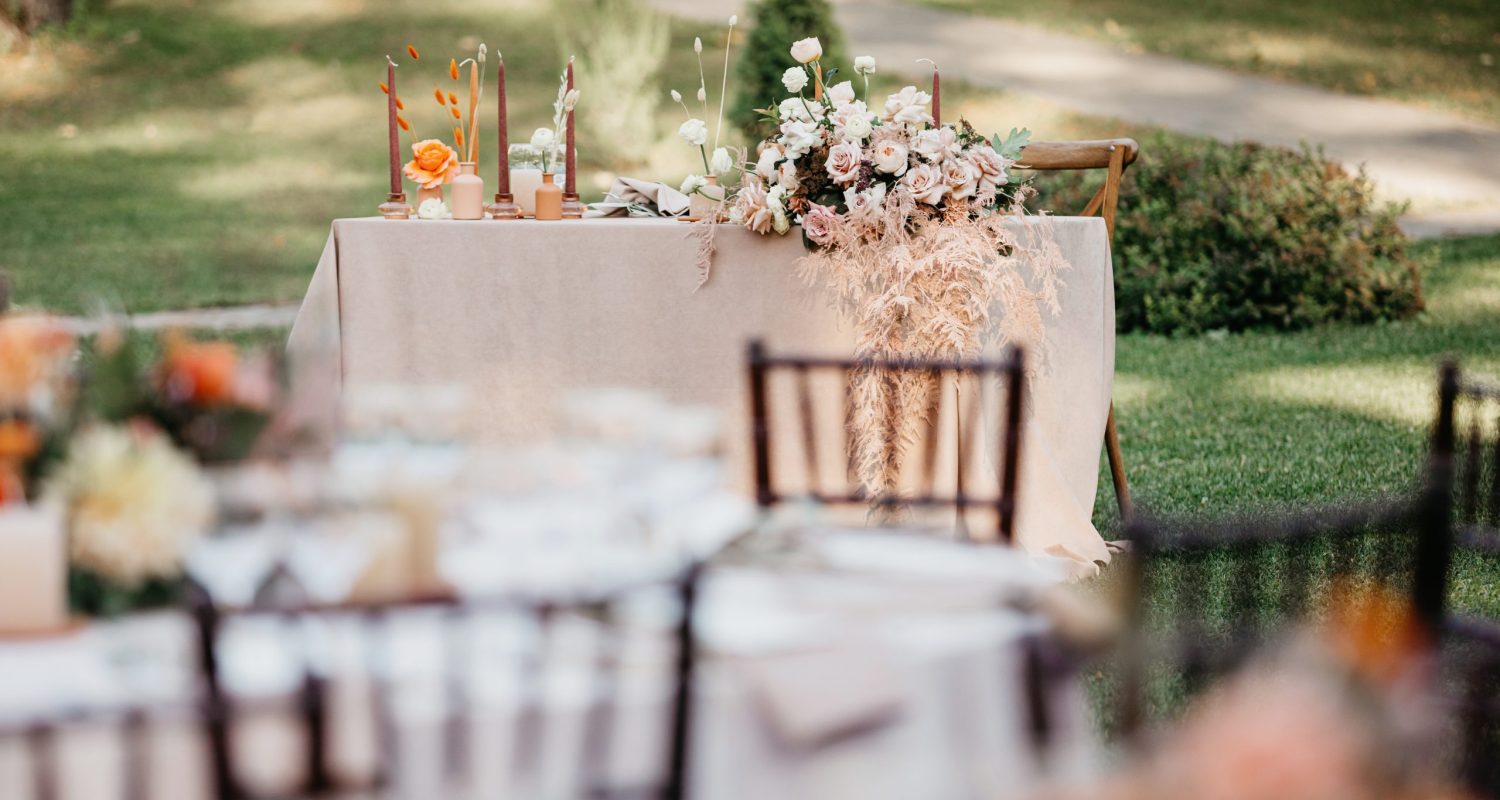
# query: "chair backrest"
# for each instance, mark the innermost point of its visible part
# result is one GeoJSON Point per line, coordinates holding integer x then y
{"type": "Point", "coordinates": [622, 686]}
{"type": "Point", "coordinates": [1471, 682]}
{"type": "Point", "coordinates": [80, 752]}
{"type": "Point", "coordinates": [1207, 594]}
{"type": "Point", "coordinates": [910, 433]}
{"type": "Point", "coordinates": [1112, 155]}
{"type": "Point", "coordinates": [1467, 432]}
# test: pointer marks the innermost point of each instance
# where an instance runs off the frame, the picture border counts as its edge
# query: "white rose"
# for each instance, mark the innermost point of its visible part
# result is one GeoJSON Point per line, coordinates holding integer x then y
{"type": "Point", "coordinates": [865, 207]}
{"type": "Point", "coordinates": [720, 163]}
{"type": "Point", "coordinates": [786, 176]}
{"type": "Point", "coordinates": [858, 127]}
{"type": "Point", "coordinates": [799, 138]}
{"type": "Point", "coordinates": [891, 158]}
{"type": "Point", "coordinates": [925, 182]}
{"type": "Point", "coordinates": [765, 166]}
{"type": "Point", "coordinates": [694, 132]}
{"type": "Point", "coordinates": [799, 109]}
{"type": "Point", "coordinates": [961, 176]}
{"type": "Point", "coordinates": [807, 51]}
{"type": "Point", "coordinates": [693, 183]}
{"type": "Point", "coordinates": [843, 162]}
{"type": "Point", "coordinates": [841, 93]}
{"type": "Point", "coordinates": [935, 145]}
{"type": "Point", "coordinates": [865, 65]}
{"type": "Point", "coordinates": [908, 107]}
{"type": "Point", "coordinates": [433, 208]}
{"type": "Point", "coordinates": [543, 139]}
{"type": "Point", "coordinates": [794, 79]}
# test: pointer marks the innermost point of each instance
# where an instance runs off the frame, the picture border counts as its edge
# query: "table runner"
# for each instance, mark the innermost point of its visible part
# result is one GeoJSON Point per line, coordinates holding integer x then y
{"type": "Point", "coordinates": [522, 311]}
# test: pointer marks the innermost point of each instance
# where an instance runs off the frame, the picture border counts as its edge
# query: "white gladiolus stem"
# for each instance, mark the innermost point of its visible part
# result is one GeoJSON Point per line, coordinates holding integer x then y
{"type": "Point", "coordinates": [724, 85]}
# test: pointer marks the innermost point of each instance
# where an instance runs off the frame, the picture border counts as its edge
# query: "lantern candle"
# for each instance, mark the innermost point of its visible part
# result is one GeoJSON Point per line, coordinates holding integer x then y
{"type": "Point", "coordinates": [33, 570]}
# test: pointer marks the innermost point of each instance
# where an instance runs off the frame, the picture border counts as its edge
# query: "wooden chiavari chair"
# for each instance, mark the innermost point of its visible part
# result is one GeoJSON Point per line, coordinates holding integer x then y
{"type": "Point", "coordinates": [1113, 156]}
{"type": "Point", "coordinates": [318, 776]}
{"type": "Point", "coordinates": [919, 465]}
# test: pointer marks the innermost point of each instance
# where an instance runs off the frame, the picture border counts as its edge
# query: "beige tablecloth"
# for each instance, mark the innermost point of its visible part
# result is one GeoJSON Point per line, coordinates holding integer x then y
{"type": "Point", "coordinates": [523, 311]}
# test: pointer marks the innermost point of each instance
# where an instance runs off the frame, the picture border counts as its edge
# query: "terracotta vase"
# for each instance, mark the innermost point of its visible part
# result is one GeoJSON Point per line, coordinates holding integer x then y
{"type": "Point", "coordinates": [705, 202]}
{"type": "Point", "coordinates": [468, 192]}
{"type": "Point", "coordinates": [548, 199]}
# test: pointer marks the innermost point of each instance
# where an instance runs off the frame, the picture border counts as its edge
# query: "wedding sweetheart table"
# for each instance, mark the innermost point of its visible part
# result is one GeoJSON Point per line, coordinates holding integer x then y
{"type": "Point", "coordinates": [522, 311]}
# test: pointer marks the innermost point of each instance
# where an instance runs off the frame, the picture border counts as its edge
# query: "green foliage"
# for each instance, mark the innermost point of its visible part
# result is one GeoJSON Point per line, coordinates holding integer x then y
{"type": "Point", "coordinates": [1215, 236]}
{"type": "Point", "coordinates": [626, 45]}
{"type": "Point", "coordinates": [775, 24]}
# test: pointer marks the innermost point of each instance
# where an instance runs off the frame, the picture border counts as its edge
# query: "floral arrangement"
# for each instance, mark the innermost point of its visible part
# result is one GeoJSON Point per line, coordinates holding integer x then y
{"type": "Point", "coordinates": [37, 386]}
{"type": "Point", "coordinates": [718, 161]}
{"type": "Point", "coordinates": [434, 162]}
{"type": "Point", "coordinates": [134, 504]}
{"type": "Point", "coordinates": [546, 140]}
{"type": "Point", "coordinates": [907, 222]}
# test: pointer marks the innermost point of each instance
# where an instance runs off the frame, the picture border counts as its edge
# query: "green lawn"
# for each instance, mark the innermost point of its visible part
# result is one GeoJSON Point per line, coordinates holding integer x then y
{"type": "Point", "coordinates": [1444, 52]}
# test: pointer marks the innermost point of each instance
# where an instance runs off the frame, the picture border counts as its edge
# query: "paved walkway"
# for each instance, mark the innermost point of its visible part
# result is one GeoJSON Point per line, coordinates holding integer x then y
{"type": "Point", "coordinates": [238, 318]}
{"type": "Point", "coordinates": [1448, 165]}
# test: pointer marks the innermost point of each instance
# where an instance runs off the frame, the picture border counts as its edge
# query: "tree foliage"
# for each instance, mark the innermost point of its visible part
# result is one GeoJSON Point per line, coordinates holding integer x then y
{"type": "Point", "coordinates": [775, 24]}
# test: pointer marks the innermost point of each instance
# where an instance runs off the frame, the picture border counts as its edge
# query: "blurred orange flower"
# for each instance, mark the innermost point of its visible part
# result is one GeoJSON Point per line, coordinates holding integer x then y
{"type": "Point", "coordinates": [433, 163]}
{"type": "Point", "coordinates": [33, 350]}
{"type": "Point", "coordinates": [199, 373]}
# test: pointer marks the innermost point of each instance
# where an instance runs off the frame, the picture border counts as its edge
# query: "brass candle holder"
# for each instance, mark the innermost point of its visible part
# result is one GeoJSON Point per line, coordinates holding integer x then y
{"type": "Point", "coordinates": [504, 207]}
{"type": "Point", "coordinates": [395, 206]}
{"type": "Point", "coordinates": [572, 208]}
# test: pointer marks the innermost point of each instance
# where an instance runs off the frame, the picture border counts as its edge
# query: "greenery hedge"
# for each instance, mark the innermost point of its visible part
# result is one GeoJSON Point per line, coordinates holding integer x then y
{"type": "Point", "coordinates": [766, 54]}
{"type": "Point", "coordinates": [1238, 236]}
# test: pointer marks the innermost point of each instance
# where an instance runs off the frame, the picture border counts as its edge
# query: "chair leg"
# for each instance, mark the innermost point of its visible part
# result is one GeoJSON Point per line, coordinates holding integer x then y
{"type": "Point", "coordinates": [1117, 465]}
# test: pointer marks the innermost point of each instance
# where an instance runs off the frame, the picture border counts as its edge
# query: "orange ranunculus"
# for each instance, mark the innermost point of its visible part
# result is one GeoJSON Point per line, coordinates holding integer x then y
{"type": "Point", "coordinates": [200, 373]}
{"type": "Point", "coordinates": [433, 163]}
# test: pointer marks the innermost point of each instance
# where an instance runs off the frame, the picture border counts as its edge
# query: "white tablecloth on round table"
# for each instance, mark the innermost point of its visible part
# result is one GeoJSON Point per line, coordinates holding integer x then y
{"type": "Point", "coordinates": [523, 311]}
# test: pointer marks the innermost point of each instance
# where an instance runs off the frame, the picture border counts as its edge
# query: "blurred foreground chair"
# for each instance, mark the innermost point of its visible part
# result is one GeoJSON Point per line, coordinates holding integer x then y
{"type": "Point", "coordinates": [828, 448]}
{"type": "Point", "coordinates": [1113, 156]}
{"type": "Point", "coordinates": [477, 716]}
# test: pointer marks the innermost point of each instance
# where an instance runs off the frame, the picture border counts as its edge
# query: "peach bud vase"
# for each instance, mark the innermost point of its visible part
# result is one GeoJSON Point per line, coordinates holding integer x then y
{"type": "Point", "coordinates": [548, 198]}
{"type": "Point", "coordinates": [468, 192]}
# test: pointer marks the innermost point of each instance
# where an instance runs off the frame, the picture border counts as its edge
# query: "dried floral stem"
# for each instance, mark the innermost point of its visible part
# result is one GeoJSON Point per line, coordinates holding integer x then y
{"type": "Point", "coordinates": [724, 84]}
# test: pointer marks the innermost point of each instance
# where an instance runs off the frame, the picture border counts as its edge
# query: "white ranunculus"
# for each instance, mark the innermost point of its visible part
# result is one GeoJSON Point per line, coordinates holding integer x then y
{"type": "Point", "coordinates": [694, 132]}
{"type": "Point", "coordinates": [799, 138]}
{"type": "Point", "coordinates": [720, 163]}
{"type": "Point", "coordinates": [926, 184]}
{"type": "Point", "coordinates": [433, 208]}
{"type": "Point", "coordinates": [543, 139]}
{"type": "Point", "coordinates": [799, 109]}
{"type": "Point", "coordinates": [890, 158]}
{"type": "Point", "coordinates": [865, 65]}
{"type": "Point", "coordinates": [693, 183]}
{"type": "Point", "coordinates": [858, 128]}
{"type": "Point", "coordinates": [936, 144]}
{"type": "Point", "coordinates": [841, 93]}
{"type": "Point", "coordinates": [908, 107]}
{"type": "Point", "coordinates": [843, 162]}
{"type": "Point", "coordinates": [807, 51]}
{"type": "Point", "coordinates": [794, 79]}
{"type": "Point", "coordinates": [765, 166]}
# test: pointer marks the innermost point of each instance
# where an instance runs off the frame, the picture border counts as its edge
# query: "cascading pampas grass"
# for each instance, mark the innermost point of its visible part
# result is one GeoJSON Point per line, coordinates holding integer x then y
{"type": "Point", "coordinates": [916, 286]}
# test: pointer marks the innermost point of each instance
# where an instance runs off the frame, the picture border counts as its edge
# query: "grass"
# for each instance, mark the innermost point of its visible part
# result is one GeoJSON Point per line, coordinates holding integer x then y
{"type": "Point", "coordinates": [1445, 53]}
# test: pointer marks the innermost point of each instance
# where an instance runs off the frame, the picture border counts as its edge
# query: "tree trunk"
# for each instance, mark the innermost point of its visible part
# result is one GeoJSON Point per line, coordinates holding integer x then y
{"type": "Point", "coordinates": [36, 13]}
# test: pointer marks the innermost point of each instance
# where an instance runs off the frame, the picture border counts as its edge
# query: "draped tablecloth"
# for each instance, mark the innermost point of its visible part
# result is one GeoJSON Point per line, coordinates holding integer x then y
{"type": "Point", "coordinates": [523, 311]}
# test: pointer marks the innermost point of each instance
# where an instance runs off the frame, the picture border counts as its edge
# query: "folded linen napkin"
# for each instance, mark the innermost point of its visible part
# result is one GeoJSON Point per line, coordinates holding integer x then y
{"type": "Point", "coordinates": [637, 198]}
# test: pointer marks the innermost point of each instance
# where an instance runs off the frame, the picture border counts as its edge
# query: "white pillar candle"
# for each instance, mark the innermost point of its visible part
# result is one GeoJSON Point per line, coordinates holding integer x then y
{"type": "Point", "coordinates": [523, 185]}
{"type": "Point", "coordinates": [33, 570]}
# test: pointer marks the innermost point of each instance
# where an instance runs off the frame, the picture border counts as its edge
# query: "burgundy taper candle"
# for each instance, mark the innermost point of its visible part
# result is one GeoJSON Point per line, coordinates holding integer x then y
{"type": "Point", "coordinates": [395, 134]}
{"type": "Point", "coordinates": [937, 113]}
{"type": "Point", "coordinates": [570, 185]}
{"type": "Point", "coordinates": [502, 181]}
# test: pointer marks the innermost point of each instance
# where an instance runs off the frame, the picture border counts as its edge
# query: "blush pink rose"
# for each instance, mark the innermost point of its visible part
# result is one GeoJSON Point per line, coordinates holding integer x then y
{"type": "Point", "coordinates": [843, 162]}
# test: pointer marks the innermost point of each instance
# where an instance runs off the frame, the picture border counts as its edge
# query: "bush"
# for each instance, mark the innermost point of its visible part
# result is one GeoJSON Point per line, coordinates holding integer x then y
{"type": "Point", "coordinates": [767, 54]}
{"type": "Point", "coordinates": [1217, 236]}
{"type": "Point", "coordinates": [627, 48]}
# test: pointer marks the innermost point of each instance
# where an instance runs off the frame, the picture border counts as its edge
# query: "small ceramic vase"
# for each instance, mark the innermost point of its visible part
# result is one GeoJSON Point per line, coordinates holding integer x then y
{"type": "Point", "coordinates": [424, 194]}
{"type": "Point", "coordinates": [468, 192]}
{"type": "Point", "coordinates": [705, 202]}
{"type": "Point", "coordinates": [548, 199]}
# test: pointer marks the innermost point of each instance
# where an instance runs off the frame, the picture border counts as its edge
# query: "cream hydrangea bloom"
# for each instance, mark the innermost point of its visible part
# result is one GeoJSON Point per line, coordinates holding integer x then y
{"type": "Point", "coordinates": [134, 502]}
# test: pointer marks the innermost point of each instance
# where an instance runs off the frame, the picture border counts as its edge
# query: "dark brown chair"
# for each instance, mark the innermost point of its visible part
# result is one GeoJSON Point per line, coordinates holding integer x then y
{"type": "Point", "coordinates": [1113, 156]}
{"type": "Point", "coordinates": [320, 779]}
{"type": "Point", "coordinates": [918, 464]}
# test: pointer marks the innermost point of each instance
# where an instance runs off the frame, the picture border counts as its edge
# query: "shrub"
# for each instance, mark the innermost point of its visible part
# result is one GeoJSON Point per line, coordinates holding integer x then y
{"type": "Point", "coordinates": [1237, 236]}
{"type": "Point", "coordinates": [627, 48]}
{"type": "Point", "coordinates": [775, 24]}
